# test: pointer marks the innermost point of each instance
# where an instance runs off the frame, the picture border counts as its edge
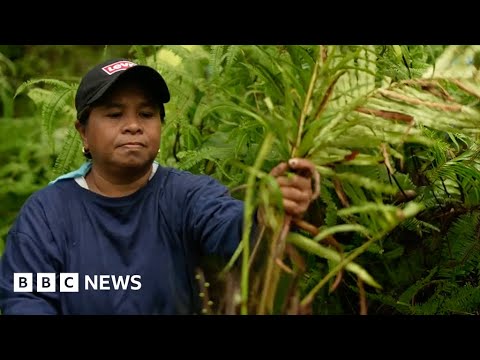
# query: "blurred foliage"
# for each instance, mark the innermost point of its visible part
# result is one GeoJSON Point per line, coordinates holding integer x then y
{"type": "Point", "coordinates": [20, 63]}
{"type": "Point", "coordinates": [26, 166]}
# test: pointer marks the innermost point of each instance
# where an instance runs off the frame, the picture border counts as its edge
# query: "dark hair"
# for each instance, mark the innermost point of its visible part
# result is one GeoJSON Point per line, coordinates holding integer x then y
{"type": "Point", "coordinates": [84, 115]}
{"type": "Point", "coordinates": [83, 119]}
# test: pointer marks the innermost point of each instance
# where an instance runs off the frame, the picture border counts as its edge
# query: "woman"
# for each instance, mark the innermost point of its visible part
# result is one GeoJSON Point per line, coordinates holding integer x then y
{"type": "Point", "coordinates": [123, 235]}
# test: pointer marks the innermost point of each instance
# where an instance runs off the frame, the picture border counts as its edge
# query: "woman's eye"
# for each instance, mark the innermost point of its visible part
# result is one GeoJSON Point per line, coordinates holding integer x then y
{"type": "Point", "coordinates": [114, 115]}
{"type": "Point", "coordinates": [147, 114]}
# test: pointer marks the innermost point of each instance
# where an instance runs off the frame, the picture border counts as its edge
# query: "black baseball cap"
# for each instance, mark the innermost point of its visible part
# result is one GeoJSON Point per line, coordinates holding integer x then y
{"type": "Point", "coordinates": [100, 78]}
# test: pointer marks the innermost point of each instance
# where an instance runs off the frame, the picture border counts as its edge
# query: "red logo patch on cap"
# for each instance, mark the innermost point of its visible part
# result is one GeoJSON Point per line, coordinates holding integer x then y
{"type": "Point", "coordinates": [118, 66]}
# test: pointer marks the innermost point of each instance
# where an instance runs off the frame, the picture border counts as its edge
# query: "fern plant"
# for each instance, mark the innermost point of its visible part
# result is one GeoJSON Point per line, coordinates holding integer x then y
{"type": "Point", "coordinates": [7, 69]}
{"type": "Point", "coordinates": [343, 120]}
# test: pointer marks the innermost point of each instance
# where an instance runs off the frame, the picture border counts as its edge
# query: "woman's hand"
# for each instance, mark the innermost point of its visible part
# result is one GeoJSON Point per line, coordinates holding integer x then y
{"type": "Point", "coordinates": [296, 189]}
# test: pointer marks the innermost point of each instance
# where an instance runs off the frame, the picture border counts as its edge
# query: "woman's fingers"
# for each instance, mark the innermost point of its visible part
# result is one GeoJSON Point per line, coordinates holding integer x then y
{"type": "Point", "coordinates": [296, 188]}
{"type": "Point", "coordinates": [280, 169]}
{"type": "Point", "coordinates": [302, 164]}
{"type": "Point", "coordinates": [296, 181]}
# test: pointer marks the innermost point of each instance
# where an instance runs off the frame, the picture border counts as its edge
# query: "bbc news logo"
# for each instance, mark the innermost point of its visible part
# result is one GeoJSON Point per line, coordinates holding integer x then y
{"type": "Point", "coordinates": [69, 282]}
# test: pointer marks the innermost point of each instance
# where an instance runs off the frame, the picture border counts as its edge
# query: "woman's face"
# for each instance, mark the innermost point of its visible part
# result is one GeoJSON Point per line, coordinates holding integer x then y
{"type": "Point", "coordinates": [123, 129]}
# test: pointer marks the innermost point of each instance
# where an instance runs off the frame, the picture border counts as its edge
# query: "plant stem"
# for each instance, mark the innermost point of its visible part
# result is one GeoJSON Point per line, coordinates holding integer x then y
{"type": "Point", "coordinates": [309, 298]}
{"type": "Point", "coordinates": [306, 105]}
{"type": "Point", "coordinates": [247, 221]}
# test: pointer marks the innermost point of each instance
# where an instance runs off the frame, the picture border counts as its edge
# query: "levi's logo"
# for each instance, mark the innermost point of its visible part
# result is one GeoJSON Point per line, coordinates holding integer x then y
{"type": "Point", "coordinates": [118, 66]}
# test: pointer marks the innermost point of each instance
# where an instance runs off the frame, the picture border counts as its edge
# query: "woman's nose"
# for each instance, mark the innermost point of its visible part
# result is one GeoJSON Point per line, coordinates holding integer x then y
{"type": "Point", "coordinates": [133, 124]}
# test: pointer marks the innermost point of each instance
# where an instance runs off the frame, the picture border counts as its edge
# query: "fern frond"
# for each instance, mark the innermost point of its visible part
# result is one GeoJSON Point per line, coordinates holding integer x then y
{"type": "Point", "coordinates": [58, 100]}
{"type": "Point", "coordinates": [454, 62]}
{"type": "Point", "coordinates": [190, 158]}
{"type": "Point", "coordinates": [231, 56]}
{"type": "Point", "coordinates": [9, 63]}
{"type": "Point", "coordinates": [407, 296]}
{"type": "Point", "coordinates": [216, 59]}
{"type": "Point", "coordinates": [463, 252]}
{"type": "Point", "coordinates": [53, 82]}
{"type": "Point", "coordinates": [70, 154]}
{"type": "Point", "coordinates": [449, 299]}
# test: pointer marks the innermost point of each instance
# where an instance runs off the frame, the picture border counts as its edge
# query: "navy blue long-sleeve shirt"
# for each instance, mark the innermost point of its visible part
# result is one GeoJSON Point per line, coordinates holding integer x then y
{"type": "Point", "coordinates": [157, 234]}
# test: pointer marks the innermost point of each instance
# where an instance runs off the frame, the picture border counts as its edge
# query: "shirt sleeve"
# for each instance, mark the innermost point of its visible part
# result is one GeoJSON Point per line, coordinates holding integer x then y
{"type": "Point", "coordinates": [214, 218]}
{"type": "Point", "coordinates": [29, 249]}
